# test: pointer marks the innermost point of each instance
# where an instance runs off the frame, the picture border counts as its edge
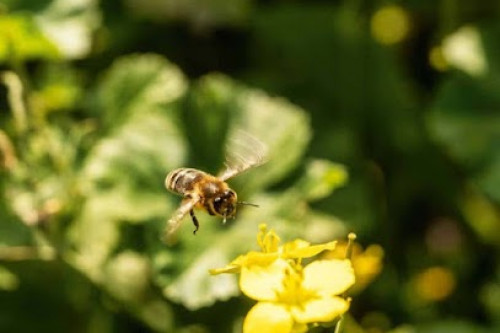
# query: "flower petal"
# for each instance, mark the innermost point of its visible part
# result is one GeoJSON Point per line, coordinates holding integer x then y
{"type": "Point", "coordinates": [228, 269]}
{"type": "Point", "coordinates": [258, 258]}
{"type": "Point", "coordinates": [268, 318]}
{"type": "Point", "coordinates": [329, 277]}
{"type": "Point", "coordinates": [301, 249]}
{"type": "Point", "coordinates": [267, 240]}
{"type": "Point", "coordinates": [263, 282]}
{"type": "Point", "coordinates": [320, 310]}
{"type": "Point", "coordinates": [249, 259]}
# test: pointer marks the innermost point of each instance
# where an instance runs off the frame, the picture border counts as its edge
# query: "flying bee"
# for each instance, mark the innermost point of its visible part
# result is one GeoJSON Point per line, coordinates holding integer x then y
{"type": "Point", "coordinates": [212, 193]}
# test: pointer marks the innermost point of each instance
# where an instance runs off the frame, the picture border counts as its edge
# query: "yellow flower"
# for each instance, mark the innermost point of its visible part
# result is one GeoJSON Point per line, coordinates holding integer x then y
{"type": "Point", "coordinates": [305, 295]}
{"type": "Point", "coordinates": [289, 295]}
{"type": "Point", "coordinates": [434, 284]}
{"type": "Point", "coordinates": [271, 251]}
{"type": "Point", "coordinates": [367, 264]}
{"type": "Point", "coordinates": [266, 268]}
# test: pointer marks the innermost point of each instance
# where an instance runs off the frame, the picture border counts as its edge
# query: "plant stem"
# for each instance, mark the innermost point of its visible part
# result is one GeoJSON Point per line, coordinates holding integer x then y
{"type": "Point", "coordinates": [16, 100]}
{"type": "Point", "coordinates": [340, 325]}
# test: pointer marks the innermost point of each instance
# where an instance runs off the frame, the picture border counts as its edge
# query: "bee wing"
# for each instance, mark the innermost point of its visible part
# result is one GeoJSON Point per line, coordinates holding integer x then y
{"type": "Point", "coordinates": [175, 221]}
{"type": "Point", "coordinates": [244, 152]}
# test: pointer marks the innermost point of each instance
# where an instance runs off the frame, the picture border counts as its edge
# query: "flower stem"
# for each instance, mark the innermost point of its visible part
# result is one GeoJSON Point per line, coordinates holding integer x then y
{"type": "Point", "coordinates": [340, 325]}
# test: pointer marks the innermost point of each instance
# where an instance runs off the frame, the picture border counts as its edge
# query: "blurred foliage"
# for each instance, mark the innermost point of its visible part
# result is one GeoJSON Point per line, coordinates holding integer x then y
{"type": "Point", "coordinates": [100, 100]}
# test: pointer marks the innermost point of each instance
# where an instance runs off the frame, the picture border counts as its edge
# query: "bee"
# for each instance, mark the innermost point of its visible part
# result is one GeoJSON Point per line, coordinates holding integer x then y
{"type": "Point", "coordinates": [211, 193]}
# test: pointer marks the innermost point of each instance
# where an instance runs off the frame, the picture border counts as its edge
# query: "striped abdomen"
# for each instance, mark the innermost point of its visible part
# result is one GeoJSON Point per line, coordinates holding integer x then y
{"type": "Point", "coordinates": [183, 180]}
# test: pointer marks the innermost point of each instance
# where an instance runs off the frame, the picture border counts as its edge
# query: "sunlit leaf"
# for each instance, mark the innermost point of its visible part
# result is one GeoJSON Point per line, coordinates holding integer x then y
{"type": "Point", "coordinates": [218, 104]}
{"type": "Point", "coordinates": [279, 124]}
{"type": "Point", "coordinates": [195, 290]}
{"type": "Point", "coordinates": [322, 178]}
{"type": "Point", "coordinates": [93, 235]}
{"type": "Point", "coordinates": [70, 25]}
{"type": "Point", "coordinates": [464, 50]}
{"type": "Point", "coordinates": [138, 83]}
{"type": "Point", "coordinates": [124, 172]}
{"type": "Point", "coordinates": [140, 153]}
{"type": "Point", "coordinates": [21, 39]}
{"type": "Point", "coordinates": [124, 177]}
{"type": "Point", "coordinates": [128, 278]}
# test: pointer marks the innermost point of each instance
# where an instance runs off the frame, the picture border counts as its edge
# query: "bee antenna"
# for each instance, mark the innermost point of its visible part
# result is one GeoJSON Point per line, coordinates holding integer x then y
{"type": "Point", "coordinates": [246, 203]}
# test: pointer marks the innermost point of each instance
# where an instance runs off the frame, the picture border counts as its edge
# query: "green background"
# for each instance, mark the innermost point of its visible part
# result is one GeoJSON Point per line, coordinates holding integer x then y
{"type": "Point", "coordinates": [115, 94]}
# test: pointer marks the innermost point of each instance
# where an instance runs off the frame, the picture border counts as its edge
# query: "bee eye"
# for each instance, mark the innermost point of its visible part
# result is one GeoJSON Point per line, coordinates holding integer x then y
{"type": "Point", "coordinates": [218, 204]}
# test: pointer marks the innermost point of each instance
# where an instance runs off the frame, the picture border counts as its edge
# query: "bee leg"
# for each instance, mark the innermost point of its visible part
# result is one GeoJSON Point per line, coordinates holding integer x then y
{"type": "Point", "coordinates": [195, 221]}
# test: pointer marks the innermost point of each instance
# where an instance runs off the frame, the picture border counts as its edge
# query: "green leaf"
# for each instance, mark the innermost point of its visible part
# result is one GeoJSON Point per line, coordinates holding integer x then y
{"type": "Point", "coordinates": [127, 278]}
{"type": "Point", "coordinates": [138, 83]}
{"type": "Point", "coordinates": [322, 178]}
{"type": "Point", "coordinates": [207, 112]}
{"type": "Point", "coordinates": [217, 105]}
{"type": "Point", "coordinates": [70, 25]}
{"type": "Point", "coordinates": [139, 153]}
{"type": "Point", "coordinates": [21, 39]}
{"type": "Point", "coordinates": [123, 174]}
{"type": "Point", "coordinates": [93, 237]}
{"type": "Point", "coordinates": [465, 121]}
{"type": "Point", "coordinates": [57, 89]}
{"type": "Point", "coordinates": [123, 178]}
{"type": "Point", "coordinates": [279, 124]}
{"type": "Point", "coordinates": [130, 164]}
{"type": "Point", "coordinates": [194, 288]}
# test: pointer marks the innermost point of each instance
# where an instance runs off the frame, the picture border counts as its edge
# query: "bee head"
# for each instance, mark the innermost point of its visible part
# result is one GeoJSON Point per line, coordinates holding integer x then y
{"type": "Point", "coordinates": [225, 204]}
